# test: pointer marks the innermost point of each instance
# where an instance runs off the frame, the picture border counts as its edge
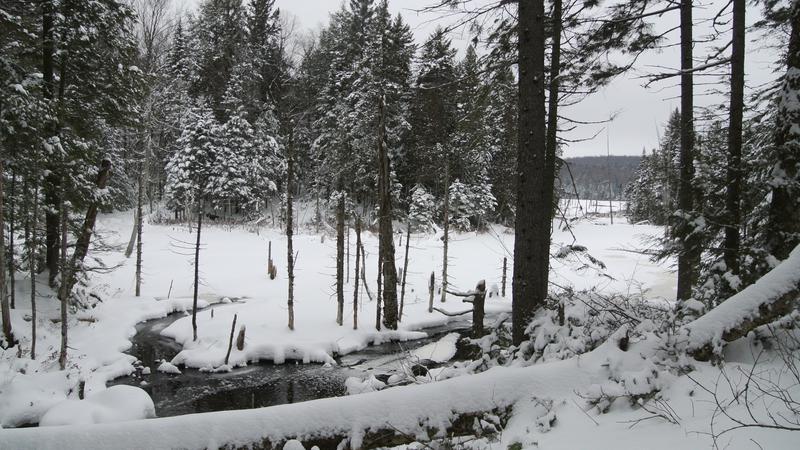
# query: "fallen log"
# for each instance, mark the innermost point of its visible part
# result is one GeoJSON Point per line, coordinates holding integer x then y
{"type": "Point", "coordinates": [378, 419]}
{"type": "Point", "coordinates": [773, 296]}
{"type": "Point", "coordinates": [485, 423]}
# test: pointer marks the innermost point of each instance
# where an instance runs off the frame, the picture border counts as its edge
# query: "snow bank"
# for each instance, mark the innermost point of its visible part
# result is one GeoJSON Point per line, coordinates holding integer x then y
{"type": "Point", "coordinates": [115, 404]}
{"type": "Point", "coordinates": [746, 305]}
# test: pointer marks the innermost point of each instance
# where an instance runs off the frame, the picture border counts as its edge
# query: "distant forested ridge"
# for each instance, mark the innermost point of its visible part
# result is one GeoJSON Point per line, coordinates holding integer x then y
{"type": "Point", "coordinates": [591, 175]}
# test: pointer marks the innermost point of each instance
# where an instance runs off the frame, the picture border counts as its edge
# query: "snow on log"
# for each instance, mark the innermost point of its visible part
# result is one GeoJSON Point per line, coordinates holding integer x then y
{"type": "Point", "coordinates": [774, 295]}
{"type": "Point", "coordinates": [377, 419]}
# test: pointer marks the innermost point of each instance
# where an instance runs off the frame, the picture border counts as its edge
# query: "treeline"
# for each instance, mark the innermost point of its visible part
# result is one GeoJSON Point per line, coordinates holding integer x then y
{"type": "Point", "coordinates": [449, 121]}
{"type": "Point", "coordinates": [597, 177]}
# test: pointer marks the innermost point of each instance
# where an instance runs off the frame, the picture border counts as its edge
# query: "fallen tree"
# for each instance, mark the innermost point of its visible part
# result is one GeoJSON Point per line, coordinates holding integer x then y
{"type": "Point", "coordinates": [773, 296]}
{"type": "Point", "coordinates": [377, 419]}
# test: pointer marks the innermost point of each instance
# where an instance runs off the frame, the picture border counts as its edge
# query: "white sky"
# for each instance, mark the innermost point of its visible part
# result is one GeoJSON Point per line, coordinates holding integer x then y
{"type": "Point", "coordinates": [640, 112]}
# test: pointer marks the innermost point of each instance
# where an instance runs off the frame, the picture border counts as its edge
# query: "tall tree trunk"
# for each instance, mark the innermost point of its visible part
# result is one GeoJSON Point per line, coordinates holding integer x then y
{"type": "Point", "coordinates": [379, 293]}
{"type": "Point", "coordinates": [139, 225]}
{"type": "Point", "coordinates": [528, 256]}
{"type": "Point", "coordinates": [734, 173]}
{"type": "Point", "coordinates": [551, 148]}
{"type": "Point", "coordinates": [12, 267]}
{"type": "Point", "coordinates": [386, 234]}
{"type": "Point", "coordinates": [197, 269]}
{"type": "Point", "coordinates": [446, 224]}
{"type": "Point", "coordinates": [784, 213]}
{"type": "Point", "coordinates": [688, 253]}
{"type": "Point", "coordinates": [405, 273]}
{"type": "Point", "coordinates": [52, 180]}
{"type": "Point", "coordinates": [135, 234]}
{"type": "Point", "coordinates": [8, 335]}
{"type": "Point", "coordinates": [355, 286]}
{"type": "Point", "coordinates": [64, 288]}
{"type": "Point", "coordinates": [289, 213]}
{"type": "Point", "coordinates": [32, 258]}
{"type": "Point", "coordinates": [340, 260]}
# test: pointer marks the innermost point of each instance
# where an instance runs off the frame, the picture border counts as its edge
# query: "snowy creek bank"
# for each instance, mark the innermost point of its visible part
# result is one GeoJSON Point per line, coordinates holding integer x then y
{"type": "Point", "coordinates": [265, 383]}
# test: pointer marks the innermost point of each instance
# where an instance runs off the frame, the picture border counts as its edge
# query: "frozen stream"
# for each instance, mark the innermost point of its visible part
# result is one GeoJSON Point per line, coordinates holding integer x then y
{"type": "Point", "coordinates": [257, 385]}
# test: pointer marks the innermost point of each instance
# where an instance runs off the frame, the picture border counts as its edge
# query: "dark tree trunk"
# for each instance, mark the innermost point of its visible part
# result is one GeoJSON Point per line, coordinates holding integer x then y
{"type": "Point", "coordinates": [478, 310]}
{"type": "Point", "coordinates": [355, 287]}
{"type": "Point", "coordinates": [12, 267]}
{"type": "Point", "coordinates": [340, 260]}
{"type": "Point", "coordinates": [528, 284]}
{"type": "Point", "coordinates": [734, 173]}
{"type": "Point", "coordinates": [64, 289]}
{"type": "Point", "coordinates": [196, 270]}
{"type": "Point", "coordinates": [386, 234]}
{"type": "Point", "coordinates": [139, 226]}
{"type": "Point", "coordinates": [379, 293]}
{"type": "Point", "coordinates": [289, 231]}
{"type": "Point", "coordinates": [783, 228]}
{"type": "Point", "coordinates": [8, 335]}
{"type": "Point", "coordinates": [405, 273]}
{"type": "Point", "coordinates": [688, 253]}
{"type": "Point", "coordinates": [551, 146]}
{"type": "Point", "coordinates": [52, 181]}
{"type": "Point", "coordinates": [446, 224]}
{"type": "Point", "coordinates": [32, 258]}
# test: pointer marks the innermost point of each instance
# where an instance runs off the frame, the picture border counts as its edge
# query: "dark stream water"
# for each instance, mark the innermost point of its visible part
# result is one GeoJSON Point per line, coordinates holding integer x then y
{"type": "Point", "coordinates": [257, 385]}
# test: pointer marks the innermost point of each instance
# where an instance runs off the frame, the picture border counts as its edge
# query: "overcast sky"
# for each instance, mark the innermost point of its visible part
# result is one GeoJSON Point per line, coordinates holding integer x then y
{"type": "Point", "coordinates": [640, 112]}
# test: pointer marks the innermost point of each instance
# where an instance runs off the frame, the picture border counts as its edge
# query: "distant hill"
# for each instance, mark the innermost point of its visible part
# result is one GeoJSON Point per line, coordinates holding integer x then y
{"type": "Point", "coordinates": [591, 175]}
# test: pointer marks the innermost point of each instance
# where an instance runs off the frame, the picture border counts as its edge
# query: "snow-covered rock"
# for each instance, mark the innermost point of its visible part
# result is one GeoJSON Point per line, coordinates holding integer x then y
{"type": "Point", "coordinates": [168, 367]}
{"type": "Point", "coordinates": [115, 404]}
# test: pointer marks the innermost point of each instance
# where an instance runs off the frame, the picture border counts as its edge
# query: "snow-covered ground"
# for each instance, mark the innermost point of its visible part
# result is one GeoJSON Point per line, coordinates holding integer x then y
{"type": "Point", "coordinates": [233, 265]}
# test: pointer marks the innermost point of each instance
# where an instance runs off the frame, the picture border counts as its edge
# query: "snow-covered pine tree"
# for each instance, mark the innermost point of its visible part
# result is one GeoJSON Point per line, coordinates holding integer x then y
{"type": "Point", "coordinates": [422, 209]}
{"type": "Point", "coordinates": [190, 168]}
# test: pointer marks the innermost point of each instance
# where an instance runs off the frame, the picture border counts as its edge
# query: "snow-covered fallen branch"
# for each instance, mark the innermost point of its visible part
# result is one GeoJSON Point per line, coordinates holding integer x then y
{"type": "Point", "coordinates": [410, 412]}
{"type": "Point", "coordinates": [774, 295]}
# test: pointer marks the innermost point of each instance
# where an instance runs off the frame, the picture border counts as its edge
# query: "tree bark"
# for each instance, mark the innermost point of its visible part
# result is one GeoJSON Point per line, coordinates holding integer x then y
{"type": "Point", "coordinates": [386, 234]}
{"type": "Point", "coordinates": [446, 224]}
{"type": "Point", "coordinates": [289, 230]}
{"type": "Point", "coordinates": [135, 234]}
{"type": "Point", "coordinates": [8, 335]}
{"type": "Point", "coordinates": [64, 289]}
{"type": "Point", "coordinates": [140, 220]}
{"type": "Point", "coordinates": [340, 260]}
{"type": "Point", "coordinates": [689, 251]}
{"type": "Point", "coordinates": [230, 340]}
{"type": "Point", "coordinates": [545, 215]}
{"type": "Point", "coordinates": [196, 270]}
{"type": "Point", "coordinates": [528, 256]}
{"type": "Point", "coordinates": [431, 288]}
{"type": "Point", "coordinates": [32, 258]}
{"type": "Point", "coordinates": [52, 180]}
{"type": "Point", "coordinates": [12, 267]}
{"type": "Point", "coordinates": [783, 226]}
{"type": "Point", "coordinates": [355, 287]}
{"type": "Point", "coordinates": [405, 273]}
{"type": "Point", "coordinates": [731, 242]}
